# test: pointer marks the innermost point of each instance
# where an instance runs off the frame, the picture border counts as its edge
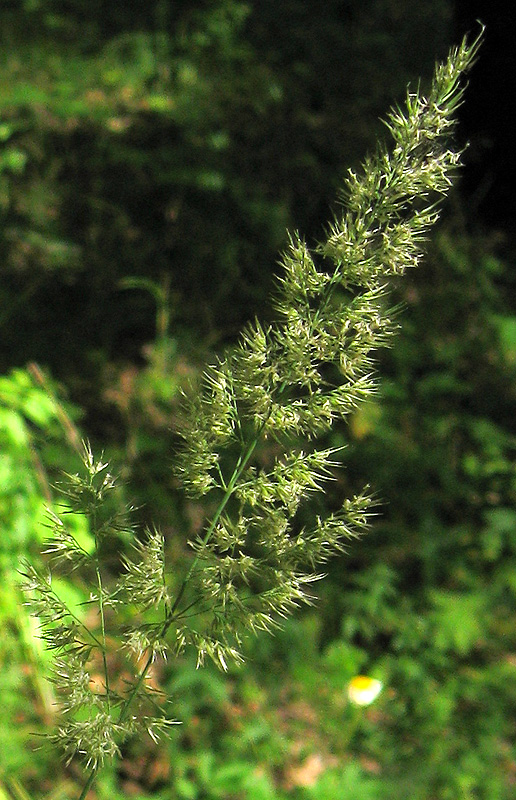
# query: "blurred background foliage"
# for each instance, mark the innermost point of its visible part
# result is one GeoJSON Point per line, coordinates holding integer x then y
{"type": "Point", "coordinates": [152, 157]}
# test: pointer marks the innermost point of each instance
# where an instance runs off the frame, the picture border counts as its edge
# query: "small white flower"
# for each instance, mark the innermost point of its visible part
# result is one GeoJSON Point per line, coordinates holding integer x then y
{"type": "Point", "coordinates": [362, 691]}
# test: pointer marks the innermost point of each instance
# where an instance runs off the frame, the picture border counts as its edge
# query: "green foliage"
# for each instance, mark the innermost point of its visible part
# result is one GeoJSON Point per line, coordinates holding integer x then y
{"type": "Point", "coordinates": [152, 141]}
{"type": "Point", "coordinates": [32, 442]}
{"type": "Point", "coordinates": [428, 595]}
{"type": "Point", "coordinates": [30, 424]}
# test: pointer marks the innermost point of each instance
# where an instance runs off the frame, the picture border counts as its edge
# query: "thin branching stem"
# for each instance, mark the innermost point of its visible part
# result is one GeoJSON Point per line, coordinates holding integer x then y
{"type": "Point", "coordinates": [242, 462]}
{"type": "Point", "coordinates": [89, 783]}
{"type": "Point", "coordinates": [103, 631]}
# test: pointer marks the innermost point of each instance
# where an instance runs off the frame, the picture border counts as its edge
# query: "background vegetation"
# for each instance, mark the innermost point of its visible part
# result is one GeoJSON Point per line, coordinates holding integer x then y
{"type": "Point", "coordinates": [152, 157]}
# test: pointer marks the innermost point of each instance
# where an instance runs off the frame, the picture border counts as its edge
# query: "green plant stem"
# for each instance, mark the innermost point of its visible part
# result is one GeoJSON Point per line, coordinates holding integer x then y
{"type": "Point", "coordinates": [16, 790]}
{"type": "Point", "coordinates": [33, 652]}
{"type": "Point", "coordinates": [239, 468]}
{"type": "Point", "coordinates": [103, 629]}
{"type": "Point", "coordinates": [88, 783]}
{"type": "Point", "coordinates": [356, 717]}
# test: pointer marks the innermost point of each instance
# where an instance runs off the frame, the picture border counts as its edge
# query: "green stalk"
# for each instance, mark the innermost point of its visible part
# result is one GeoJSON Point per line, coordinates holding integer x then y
{"type": "Point", "coordinates": [103, 629]}
{"type": "Point", "coordinates": [241, 464]}
{"type": "Point", "coordinates": [88, 783]}
{"type": "Point", "coordinates": [95, 529]}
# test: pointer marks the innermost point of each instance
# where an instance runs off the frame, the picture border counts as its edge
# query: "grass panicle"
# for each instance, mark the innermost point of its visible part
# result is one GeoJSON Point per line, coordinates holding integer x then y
{"type": "Point", "coordinates": [254, 562]}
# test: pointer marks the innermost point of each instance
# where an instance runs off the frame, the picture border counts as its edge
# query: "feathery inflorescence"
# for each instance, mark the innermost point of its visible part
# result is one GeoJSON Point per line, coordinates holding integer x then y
{"type": "Point", "coordinates": [287, 382]}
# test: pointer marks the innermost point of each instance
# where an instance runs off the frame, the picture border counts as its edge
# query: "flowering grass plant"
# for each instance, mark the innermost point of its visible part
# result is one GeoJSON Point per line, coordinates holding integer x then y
{"type": "Point", "coordinates": [253, 562]}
